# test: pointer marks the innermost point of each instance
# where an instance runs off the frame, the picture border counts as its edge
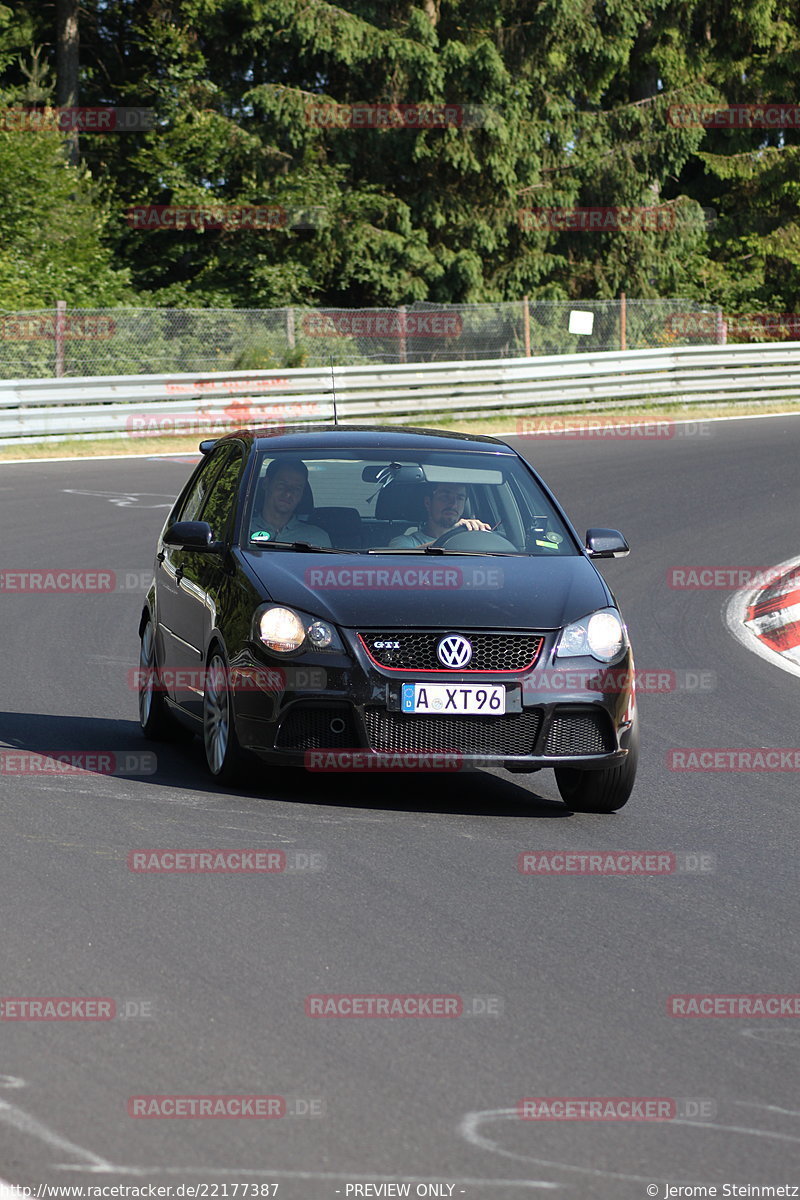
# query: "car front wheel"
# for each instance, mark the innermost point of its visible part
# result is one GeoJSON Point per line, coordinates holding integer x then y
{"type": "Point", "coordinates": [224, 756]}
{"type": "Point", "coordinates": [155, 719]}
{"type": "Point", "coordinates": [600, 791]}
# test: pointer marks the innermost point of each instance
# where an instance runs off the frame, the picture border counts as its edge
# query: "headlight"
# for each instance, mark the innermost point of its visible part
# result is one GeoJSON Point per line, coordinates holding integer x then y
{"type": "Point", "coordinates": [320, 634]}
{"type": "Point", "coordinates": [287, 630]}
{"type": "Point", "coordinates": [602, 635]}
{"type": "Point", "coordinates": [281, 630]}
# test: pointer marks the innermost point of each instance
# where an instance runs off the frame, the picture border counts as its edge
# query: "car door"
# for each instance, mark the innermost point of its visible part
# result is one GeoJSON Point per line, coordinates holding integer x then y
{"type": "Point", "coordinates": [204, 577]}
{"type": "Point", "coordinates": [178, 635]}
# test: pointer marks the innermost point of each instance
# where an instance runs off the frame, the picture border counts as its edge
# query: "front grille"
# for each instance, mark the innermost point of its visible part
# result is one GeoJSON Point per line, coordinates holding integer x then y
{"type": "Point", "coordinates": [496, 652]}
{"type": "Point", "coordinates": [513, 734]}
{"type": "Point", "coordinates": [308, 727]}
{"type": "Point", "coordinates": [576, 733]}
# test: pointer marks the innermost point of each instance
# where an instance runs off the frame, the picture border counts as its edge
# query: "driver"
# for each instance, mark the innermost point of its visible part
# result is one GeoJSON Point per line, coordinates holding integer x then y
{"type": "Point", "coordinates": [444, 504]}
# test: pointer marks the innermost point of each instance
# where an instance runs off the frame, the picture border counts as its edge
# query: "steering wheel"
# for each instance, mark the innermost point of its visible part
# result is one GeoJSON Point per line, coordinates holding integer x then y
{"type": "Point", "coordinates": [474, 539]}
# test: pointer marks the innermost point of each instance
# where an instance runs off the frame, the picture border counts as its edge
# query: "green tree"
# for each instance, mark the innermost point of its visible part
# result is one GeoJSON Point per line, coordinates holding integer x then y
{"type": "Point", "coordinates": [571, 103]}
{"type": "Point", "coordinates": [51, 230]}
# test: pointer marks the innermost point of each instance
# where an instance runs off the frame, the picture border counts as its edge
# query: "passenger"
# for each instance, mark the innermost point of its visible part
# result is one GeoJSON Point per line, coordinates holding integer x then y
{"type": "Point", "coordinates": [285, 480]}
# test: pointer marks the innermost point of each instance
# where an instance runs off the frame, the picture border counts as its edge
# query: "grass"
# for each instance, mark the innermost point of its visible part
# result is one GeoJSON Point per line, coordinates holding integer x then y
{"type": "Point", "coordinates": [499, 424]}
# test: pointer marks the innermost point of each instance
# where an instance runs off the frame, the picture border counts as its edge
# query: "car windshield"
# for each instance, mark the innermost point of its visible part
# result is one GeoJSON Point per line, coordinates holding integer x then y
{"type": "Point", "coordinates": [410, 501]}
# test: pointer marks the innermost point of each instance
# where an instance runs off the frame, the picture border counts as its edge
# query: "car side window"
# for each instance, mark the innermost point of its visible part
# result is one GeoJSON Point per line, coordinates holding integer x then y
{"type": "Point", "coordinates": [221, 500]}
{"type": "Point", "coordinates": [195, 497]}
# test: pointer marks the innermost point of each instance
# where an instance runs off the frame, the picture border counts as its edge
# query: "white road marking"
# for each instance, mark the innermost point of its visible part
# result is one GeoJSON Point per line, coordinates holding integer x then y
{"type": "Point", "coordinates": [780, 1037]}
{"type": "Point", "coordinates": [331, 1176]}
{"type": "Point", "coordinates": [192, 455]}
{"type": "Point", "coordinates": [25, 1123]}
{"type": "Point", "coordinates": [785, 1112]}
{"type": "Point", "coordinates": [124, 499]}
{"type": "Point", "coordinates": [93, 1164]}
{"type": "Point", "coordinates": [470, 1130]}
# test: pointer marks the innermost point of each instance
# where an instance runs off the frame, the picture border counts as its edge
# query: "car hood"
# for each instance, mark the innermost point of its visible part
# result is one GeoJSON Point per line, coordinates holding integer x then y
{"type": "Point", "coordinates": [354, 590]}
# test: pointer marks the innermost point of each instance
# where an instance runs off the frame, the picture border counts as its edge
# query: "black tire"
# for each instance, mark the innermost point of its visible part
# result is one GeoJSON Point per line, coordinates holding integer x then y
{"type": "Point", "coordinates": [600, 791]}
{"type": "Point", "coordinates": [155, 719]}
{"type": "Point", "coordinates": [225, 759]}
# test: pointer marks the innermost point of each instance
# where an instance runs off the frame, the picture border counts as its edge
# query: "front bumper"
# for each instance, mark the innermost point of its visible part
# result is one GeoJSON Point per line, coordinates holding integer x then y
{"type": "Point", "coordinates": [337, 704]}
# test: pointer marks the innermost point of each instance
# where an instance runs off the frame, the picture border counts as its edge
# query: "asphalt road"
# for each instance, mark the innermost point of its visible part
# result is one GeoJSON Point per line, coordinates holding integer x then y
{"type": "Point", "coordinates": [420, 891]}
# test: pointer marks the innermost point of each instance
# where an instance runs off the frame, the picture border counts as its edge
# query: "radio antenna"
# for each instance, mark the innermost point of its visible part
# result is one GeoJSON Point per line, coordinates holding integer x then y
{"type": "Point", "coordinates": [333, 389]}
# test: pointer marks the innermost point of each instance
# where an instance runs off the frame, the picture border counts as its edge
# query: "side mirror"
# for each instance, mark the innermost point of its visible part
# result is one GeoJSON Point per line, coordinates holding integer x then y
{"type": "Point", "coordinates": [191, 535]}
{"type": "Point", "coordinates": [606, 543]}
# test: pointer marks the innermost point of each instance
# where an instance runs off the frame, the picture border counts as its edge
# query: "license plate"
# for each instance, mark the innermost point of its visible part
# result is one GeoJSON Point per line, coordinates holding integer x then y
{"type": "Point", "coordinates": [456, 699]}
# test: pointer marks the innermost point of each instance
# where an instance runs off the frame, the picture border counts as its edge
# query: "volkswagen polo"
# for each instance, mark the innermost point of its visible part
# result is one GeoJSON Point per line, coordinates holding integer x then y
{"type": "Point", "coordinates": [379, 598]}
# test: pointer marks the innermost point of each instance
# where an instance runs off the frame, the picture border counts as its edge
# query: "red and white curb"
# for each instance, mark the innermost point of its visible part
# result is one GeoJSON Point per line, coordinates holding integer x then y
{"type": "Point", "coordinates": [765, 617]}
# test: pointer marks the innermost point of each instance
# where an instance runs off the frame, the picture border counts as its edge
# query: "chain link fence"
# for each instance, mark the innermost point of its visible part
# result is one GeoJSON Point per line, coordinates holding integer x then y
{"type": "Point", "coordinates": [130, 341]}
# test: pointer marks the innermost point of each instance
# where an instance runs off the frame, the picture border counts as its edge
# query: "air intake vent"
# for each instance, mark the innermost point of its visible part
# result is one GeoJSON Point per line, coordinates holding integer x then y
{"type": "Point", "coordinates": [318, 727]}
{"type": "Point", "coordinates": [578, 733]}
{"type": "Point", "coordinates": [510, 735]}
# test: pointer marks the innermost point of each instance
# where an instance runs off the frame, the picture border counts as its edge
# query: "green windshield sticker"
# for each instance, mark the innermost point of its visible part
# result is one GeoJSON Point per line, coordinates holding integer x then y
{"type": "Point", "coordinates": [260, 535]}
{"type": "Point", "coordinates": [547, 545]}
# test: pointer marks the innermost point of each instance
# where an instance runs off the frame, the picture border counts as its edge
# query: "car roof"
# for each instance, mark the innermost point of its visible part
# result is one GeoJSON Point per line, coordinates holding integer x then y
{"type": "Point", "coordinates": [358, 437]}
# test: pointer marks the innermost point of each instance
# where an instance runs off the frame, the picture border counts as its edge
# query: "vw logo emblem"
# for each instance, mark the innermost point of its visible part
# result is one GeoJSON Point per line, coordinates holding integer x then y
{"type": "Point", "coordinates": [454, 651]}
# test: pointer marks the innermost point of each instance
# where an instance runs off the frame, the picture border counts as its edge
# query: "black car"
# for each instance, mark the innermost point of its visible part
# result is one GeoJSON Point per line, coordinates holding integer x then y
{"type": "Point", "coordinates": [358, 599]}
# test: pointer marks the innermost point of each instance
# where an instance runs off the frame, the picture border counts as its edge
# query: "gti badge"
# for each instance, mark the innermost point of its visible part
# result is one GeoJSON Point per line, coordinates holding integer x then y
{"type": "Point", "coordinates": [454, 651]}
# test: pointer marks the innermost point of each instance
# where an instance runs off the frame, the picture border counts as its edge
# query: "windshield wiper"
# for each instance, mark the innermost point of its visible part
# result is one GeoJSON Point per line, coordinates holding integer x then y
{"type": "Point", "coordinates": [442, 550]}
{"type": "Point", "coordinates": [305, 547]}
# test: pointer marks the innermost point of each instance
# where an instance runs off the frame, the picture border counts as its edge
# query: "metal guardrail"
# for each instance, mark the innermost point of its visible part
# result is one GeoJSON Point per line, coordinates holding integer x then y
{"type": "Point", "coordinates": [142, 405]}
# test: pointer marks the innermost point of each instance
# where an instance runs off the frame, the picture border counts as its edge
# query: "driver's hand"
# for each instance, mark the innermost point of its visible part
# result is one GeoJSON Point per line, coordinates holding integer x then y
{"type": "Point", "coordinates": [473, 524]}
